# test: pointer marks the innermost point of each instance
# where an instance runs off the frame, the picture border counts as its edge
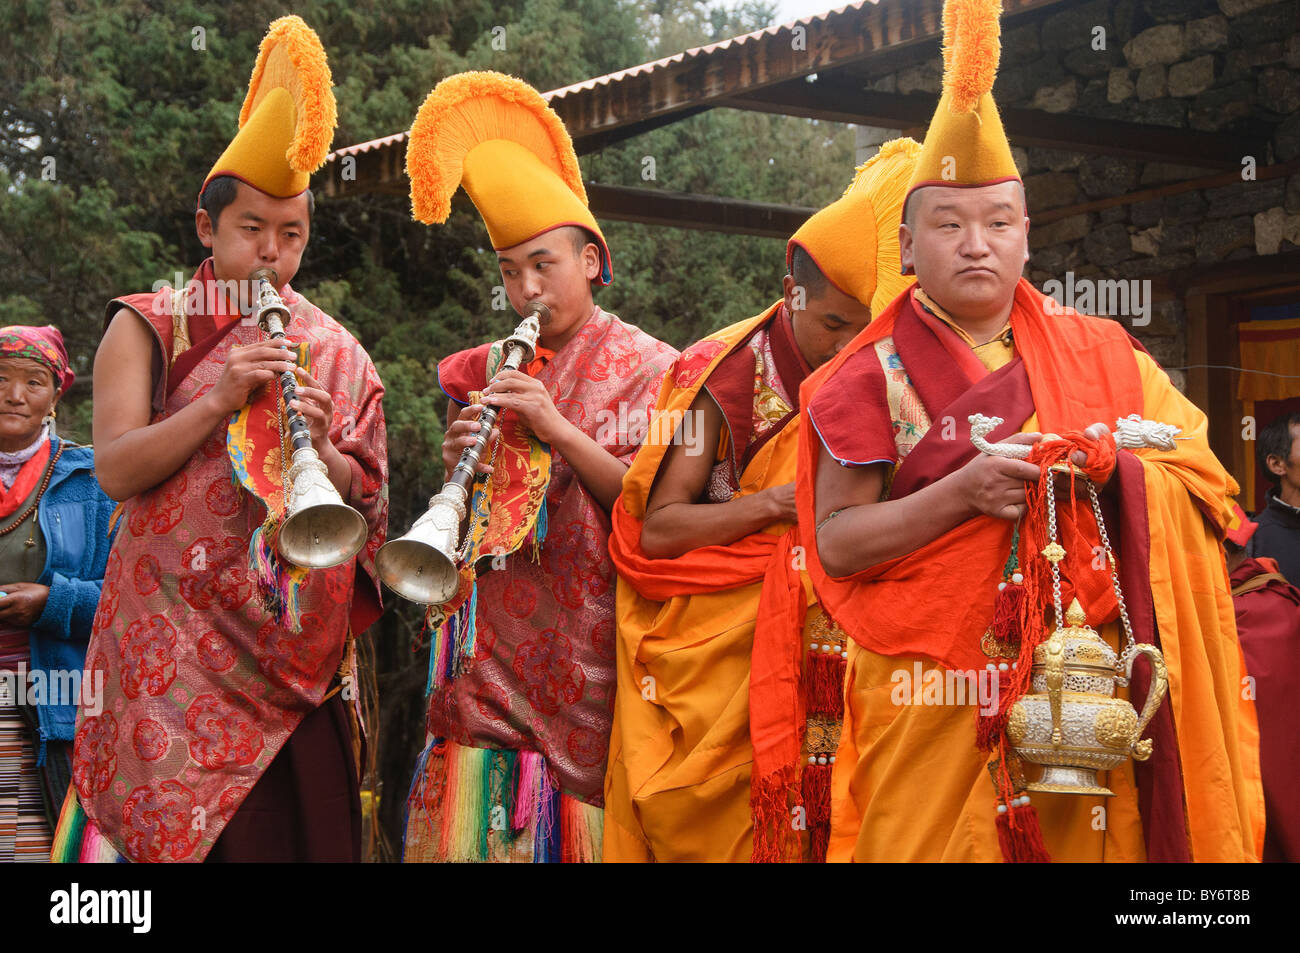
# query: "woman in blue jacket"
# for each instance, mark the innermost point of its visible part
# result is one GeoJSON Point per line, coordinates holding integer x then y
{"type": "Point", "coordinates": [54, 542]}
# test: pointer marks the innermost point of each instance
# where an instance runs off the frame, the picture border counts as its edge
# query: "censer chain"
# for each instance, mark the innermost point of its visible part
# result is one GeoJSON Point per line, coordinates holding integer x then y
{"type": "Point", "coordinates": [1121, 663]}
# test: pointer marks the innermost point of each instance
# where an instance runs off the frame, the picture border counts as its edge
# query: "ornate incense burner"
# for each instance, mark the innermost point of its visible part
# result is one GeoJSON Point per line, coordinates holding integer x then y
{"type": "Point", "coordinates": [1070, 722]}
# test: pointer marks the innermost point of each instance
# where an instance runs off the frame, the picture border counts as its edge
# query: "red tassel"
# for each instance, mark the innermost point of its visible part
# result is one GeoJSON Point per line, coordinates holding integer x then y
{"type": "Point", "coordinates": [817, 802]}
{"type": "Point", "coordinates": [1006, 613]}
{"type": "Point", "coordinates": [819, 839]}
{"type": "Point", "coordinates": [825, 684]}
{"type": "Point", "coordinates": [769, 803]}
{"type": "Point", "coordinates": [988, 727]}
{"type": "Point", "coordinates": [817, 793]}
{"type": "Point", "coordinates": [1020, 836]}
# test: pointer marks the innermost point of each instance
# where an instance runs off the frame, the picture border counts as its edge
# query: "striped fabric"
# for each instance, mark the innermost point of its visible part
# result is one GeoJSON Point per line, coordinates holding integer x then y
{"type": "Point", "coordinates": [77, 840]}
{"type": "Point", "coordinates": [25, 835]}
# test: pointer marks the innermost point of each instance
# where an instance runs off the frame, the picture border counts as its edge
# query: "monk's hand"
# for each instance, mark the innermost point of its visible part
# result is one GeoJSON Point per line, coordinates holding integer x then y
{"type": "Point", "coordinates": [248, 368]}
{"type": "Point", "coordinates": [995, 486]}
{"type": "Point", "coordinates": [1097, 431]}
{"type": "Point", "coordinates": [529, 398]}
{"type": "Point", "coordinates": [462, 433]}
{"type": "Point", "coordinates": [781, 500]}
{"type": "Point", "coordinates": [317, 407]}
{"type": "Point", "coordinates": [23, 603]}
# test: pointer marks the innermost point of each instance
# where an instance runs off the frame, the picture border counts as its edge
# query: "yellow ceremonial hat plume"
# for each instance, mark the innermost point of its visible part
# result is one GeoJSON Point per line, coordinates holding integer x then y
{"type": "Point", "coordinates": [289, 115]}
{"type": "Point", "coordinates": [854, 240]}
{"type": "Point", "coordinates": [965, 145]}
{"type": "Point", "coordinates": [495, 135]}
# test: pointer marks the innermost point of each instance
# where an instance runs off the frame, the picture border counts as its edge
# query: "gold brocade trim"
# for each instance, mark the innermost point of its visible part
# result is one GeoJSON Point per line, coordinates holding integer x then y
{"type": "Point", "coordinates": [821, 628]}
{"type": "Point", "coordinates": [180, 326]}
{"type": "Point", "coordinates": [822, 735]}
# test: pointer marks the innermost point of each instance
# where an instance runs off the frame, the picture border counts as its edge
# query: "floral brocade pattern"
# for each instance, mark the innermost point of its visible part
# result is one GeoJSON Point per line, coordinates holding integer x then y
{"type": "Point", "coordinates": [202, 689]}
{"type": "Point", "coordinates": [772, 405]}
{"type": "Point", "coordinates": [542, 678]}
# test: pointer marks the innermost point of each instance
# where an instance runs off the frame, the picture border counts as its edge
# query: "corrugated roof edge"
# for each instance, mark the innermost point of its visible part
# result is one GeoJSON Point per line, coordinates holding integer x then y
{"type": "Point", "coordinates": [615, 77]}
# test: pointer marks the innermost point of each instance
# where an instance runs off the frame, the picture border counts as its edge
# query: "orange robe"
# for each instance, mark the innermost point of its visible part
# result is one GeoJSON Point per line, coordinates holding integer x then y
{"type": "Point", "coordinates": [909, 782]}
{"type": "Point", "coordinates": [678, 783]}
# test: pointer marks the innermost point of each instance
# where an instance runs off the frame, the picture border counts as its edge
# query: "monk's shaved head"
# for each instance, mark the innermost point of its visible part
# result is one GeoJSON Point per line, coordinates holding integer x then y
{"type": "Point", "coordinates": [806, 274]}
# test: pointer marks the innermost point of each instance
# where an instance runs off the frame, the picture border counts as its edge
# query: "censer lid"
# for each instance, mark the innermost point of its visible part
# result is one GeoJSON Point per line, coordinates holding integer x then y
{"type": "Point", "coordinates": [1083, 647]}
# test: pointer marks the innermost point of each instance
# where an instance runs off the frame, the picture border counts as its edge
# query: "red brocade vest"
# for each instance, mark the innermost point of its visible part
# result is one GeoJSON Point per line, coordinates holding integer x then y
{"type": "Point", "coordinates": [202, 686]}
{"type": "Point", "coordinates": [542, 678]}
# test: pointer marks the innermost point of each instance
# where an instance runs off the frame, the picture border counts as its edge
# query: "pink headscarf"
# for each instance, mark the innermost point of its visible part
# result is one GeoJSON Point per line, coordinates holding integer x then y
{"type": "Point", "coordinates": [41, 344]}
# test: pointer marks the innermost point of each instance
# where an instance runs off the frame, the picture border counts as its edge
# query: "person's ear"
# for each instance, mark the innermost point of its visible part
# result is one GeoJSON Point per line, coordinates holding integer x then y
{"type": "Point", "coordinates": [1026, 239]}
{"type": "Point", "coordinates": [787, 292]}
{"type": "Point", "coordinates": [1276, 465]}
{"type": "Point", "coordinates": [203, 227]}
{"type": "Point", "coordinates": [905, 256]}
{"type": "Point", "coordinates": [591, 261]}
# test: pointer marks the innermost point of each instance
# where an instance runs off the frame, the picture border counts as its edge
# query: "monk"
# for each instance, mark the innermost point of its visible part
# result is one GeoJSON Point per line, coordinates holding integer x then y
{"type": "Point", "coordinates": [522, 667]}
{"type": "Point", "coordinates": [227, 731]}
{"type": "Point", "coordinates": [706, 511]}
{"type": "Point", "coordinates": [1268, 623]}
{"type": "Point", "coordinates": [921, 543]}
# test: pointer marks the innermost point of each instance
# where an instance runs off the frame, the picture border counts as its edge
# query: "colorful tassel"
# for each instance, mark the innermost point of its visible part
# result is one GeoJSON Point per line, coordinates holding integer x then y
{"type": "Point", "coordinates": [546, 832]}
{"type": "Point", "coordinates": [78, 840]}
{"type": "Point", "coordinates": [531, 771]}
{"type": "Point", "coordinates": [581, 831]}
{"type": "Point", "coordinates": [467, 800]}
{"type": "Point", "coordinates": [468, 796]}
{"type": "Point", "coordinates": [453, 642]}
{"type": "Point", "coordinates": [538, 532]}
{"type": "Point", "coordinates": [467, 642]}
{"type": "Point", "coordinates": [278, 583]}
{"type": "Point", "coordinates": [504, 793]}
{"type": "Point", "coordinates": [69, 832]}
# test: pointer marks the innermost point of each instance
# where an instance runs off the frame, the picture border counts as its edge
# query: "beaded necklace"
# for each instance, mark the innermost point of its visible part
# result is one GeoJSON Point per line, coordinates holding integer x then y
{"type": "Point", "coordinates": [40, 492]}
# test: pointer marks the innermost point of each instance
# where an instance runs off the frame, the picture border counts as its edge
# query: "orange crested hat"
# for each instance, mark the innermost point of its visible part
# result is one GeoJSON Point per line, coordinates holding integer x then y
{"type": "Point", "coordinates": [965, 145]}
{"type": "Point", "coordinates": [854, 240]}
{"type": "Point", "coordinates": [496, 136]}
{"type": "Point", "coordinates": [288, 119]}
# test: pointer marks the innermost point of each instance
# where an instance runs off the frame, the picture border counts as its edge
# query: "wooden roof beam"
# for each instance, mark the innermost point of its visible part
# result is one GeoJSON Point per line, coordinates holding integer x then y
{"type": "Point", "coordinates": [706, 76]}
{"type": "Point", "coordinates": [839, 100]}
{"type": "Point", "coordinates": [709, 213]}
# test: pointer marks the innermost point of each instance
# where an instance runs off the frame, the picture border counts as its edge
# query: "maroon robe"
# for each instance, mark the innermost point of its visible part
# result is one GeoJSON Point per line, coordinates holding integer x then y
{"type": "Point", "coordinates": [1268, 624]}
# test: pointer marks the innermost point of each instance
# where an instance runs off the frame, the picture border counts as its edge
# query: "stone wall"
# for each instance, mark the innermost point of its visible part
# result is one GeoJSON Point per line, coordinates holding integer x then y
{"type": "Point", "coordinates": [1224, 66]}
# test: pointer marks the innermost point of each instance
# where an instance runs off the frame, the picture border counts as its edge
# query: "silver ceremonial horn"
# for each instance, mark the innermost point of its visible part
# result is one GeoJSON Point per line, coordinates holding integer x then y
{"type": "Point", "coordinates": [422, 566]}
{"type": "Point", "coordinates": [319, 529]}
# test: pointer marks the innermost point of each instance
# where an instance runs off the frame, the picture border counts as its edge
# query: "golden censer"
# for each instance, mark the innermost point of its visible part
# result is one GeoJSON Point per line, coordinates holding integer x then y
{"type": "Point", "coordinates": [1070, 721]}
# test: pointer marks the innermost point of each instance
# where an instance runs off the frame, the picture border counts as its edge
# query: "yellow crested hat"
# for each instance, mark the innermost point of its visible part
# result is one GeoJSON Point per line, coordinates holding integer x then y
{"type": "Point", "coordinates": [854, 240]}
{"type": "Point", "coordinates": [965, 145]}
{"type": "Point", "coordinates": [495, 135]}
{"type": "Point", "coordinates": [289, 115]}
